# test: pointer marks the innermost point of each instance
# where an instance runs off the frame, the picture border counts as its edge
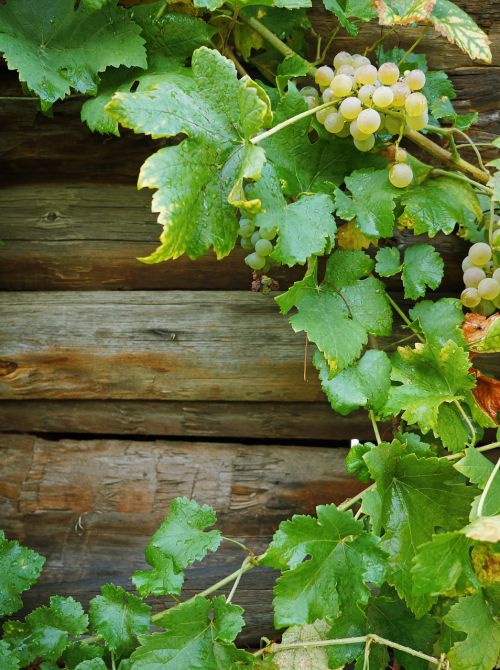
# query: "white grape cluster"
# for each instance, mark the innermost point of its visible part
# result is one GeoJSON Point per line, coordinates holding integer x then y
{"type": "Point", "coordinates": [481, 279]}
{"type": "Point", "coordinates": [259, 241]}
{"type": "Point", "coordinates": [368, 100]}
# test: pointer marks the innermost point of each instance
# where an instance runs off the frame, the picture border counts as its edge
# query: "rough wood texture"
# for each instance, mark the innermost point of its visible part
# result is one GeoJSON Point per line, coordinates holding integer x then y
{"type": "Point", "coordinates": [257, 420]}
{"type": "Point", "coordinates": [118, 492]}
{"type": "Point", "coordinates": [88, 236]}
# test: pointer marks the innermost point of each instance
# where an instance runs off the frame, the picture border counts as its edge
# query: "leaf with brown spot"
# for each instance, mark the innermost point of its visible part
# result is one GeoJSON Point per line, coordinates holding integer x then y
{"type": "Point", "coordinates": [487, 394]}
{"type": "Point", "coordinates": [482, 333]}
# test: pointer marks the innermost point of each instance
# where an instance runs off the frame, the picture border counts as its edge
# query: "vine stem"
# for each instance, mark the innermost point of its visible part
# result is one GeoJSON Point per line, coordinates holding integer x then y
{"type": "Point", "coordinates": [413, 46]}
{"type": "Point", "coordinates": [403, 316]}
{"type": "Point", "coordinates": [474, 148]}
{"type": "Point", "coordinates": [484, 494]}
{"type": "Point", "coordinates": [461, 177]}
{"type": "Point", "coordinates": [467, 421]}
{"type": "Point", "coordinates": [247, 560]}
{"type": "Point", "coordinates": [371, 414]}
{"type": "Point", "coordinates": [290, 122]}
{"type": "Point", "coordinates": [460, 454]}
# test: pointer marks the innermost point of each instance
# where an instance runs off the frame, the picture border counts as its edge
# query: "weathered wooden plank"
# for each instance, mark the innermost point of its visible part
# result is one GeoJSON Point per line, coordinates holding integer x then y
{"type": "Point", "coordinates": [91, 505]}
{"type": "Point", "coordinates": [257, 420]}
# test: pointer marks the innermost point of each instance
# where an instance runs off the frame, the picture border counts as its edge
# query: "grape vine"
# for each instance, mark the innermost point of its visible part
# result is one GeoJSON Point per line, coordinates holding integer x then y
{"type": "Point", "coordinates": [322, 163]}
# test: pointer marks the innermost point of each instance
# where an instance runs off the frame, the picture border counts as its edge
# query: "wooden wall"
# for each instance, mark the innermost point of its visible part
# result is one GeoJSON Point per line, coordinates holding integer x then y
{"type": "Point", "coordinates": [124, 385]}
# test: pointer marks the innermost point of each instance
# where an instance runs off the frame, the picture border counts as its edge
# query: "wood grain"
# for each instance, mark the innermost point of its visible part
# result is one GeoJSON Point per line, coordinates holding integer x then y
{"type": "Point", "coordinates": [91, 505]}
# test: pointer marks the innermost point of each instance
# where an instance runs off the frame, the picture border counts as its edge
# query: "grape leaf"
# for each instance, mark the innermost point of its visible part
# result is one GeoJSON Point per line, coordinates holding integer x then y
{"type": "Point", "coordinates": [364, 384]}
{"type": "Point", "coordinates": [451, 429]}
{"type": "Point", "coordinates": [477, 468]}
{"type": "Point", "coordinates": [338, 314]}
{"type": "Point", "coordinates": [482, 333]}
{"type": "Point", "coordinates": [481, 648]}
{"type": "Point", "coordinates": [94, 5]}
{"type": "Point", "coordinates": [92, 664]}
{"type": "Point", "coordinates": [45, 631]}
{"type": "Point", "coordinates": [439, 92]}
{"type": "Point", "coordinates": [118, 617]}
{"type": "Point", "coordinates": [413, 498]}
{"type": "Point", "coordinates": [199, 181]}
{"type": "Point", "coordinates": [305, 227]}
{"type": "Point", "coordinates": [179, 541]}
{"type": "Point", "coordinates": [458, 28]}
{"type": "Point", "coordinates": [438, 205]}
{"type": "Point", "coordinates": [77, 653]}
{"type": "Point", "coordinates": [56, 48]}
{"type": "Point", "coordinates": [427, 378]}
{"type": "Point", "coordinates": [312, 658]}
{"type": "Point", "coordinates": [20, 567]}
{"type": "Point", "coordinates": [343, 558]}
{"type": "Point", "coordinates": [388, 261]}
{"type": "Point", "coordinates": [373, 203]}
{"type": "Point", "coordinates": [410, 61]}
{"type": "Point", "coordinates": [290, 68]}
{"type": "Point", "coordinates": [423, 266]}
{"type": "Point", "coordinates": [199, 635]}
{"type": "Point", "coordinates": [402, 12]}
{"type": "Point", "coordinates": [289, 299]}
{"type": "Point", "coordinates": [7, 659]}
{"type": "Point", "coordinates": [351, 9]}
{"type": "Point", "coordinates": [439, 321]}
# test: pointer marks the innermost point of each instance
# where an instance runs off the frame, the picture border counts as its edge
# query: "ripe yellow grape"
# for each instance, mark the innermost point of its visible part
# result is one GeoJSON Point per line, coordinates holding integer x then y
{"type": "Point", "coordinates": [358, 60]}
{"type": "Point", "coordinates": [400, 91]}
{"type": "Point", "coordinates": [480, 253]}
{"type": "Point", "coordinates": [350, 108]}
{"type": "Point", "coordinates": [356, 132]}
{"type": "Point", "coordinates": [416, 104]}
{"type": "Point", "coordinates": [346, 69]}
{"type": "Point", "coordinates": [466, 263]}
{"type": "Point", "coordinates": [365, 145]}
{"type": "Point", "coordinates": [365, 94]}
{"type": "Point", "coordinates": [400, 155]}
{"type": "Point", "coordinates": [341, 85]}
{"type": "Point", "coordinates": [417, 122]}
{"type": "Point", "coordinates": [342, 58]}
{"type": "Point", "coordinates": [472, 277]}
{"type": "Point", "coordinates": [366, 74]}
{"type": "Point", "coordinates": [496, 275]}
{"type": "Point", "coordinates": [334, 122]}
{"type": "Point", "coordinates": [324, 75]}
{"type": "Point", "coordinates": [488, 288]}
{"type": "Point", "coordinates": [311, 101]}
{"type": "Point", "coordinates": [383, 97]}
{"type": "Point", "coordinates": [368, 121]}
{"type": "Point", "coordinates": [327, 95]}
{"type": "Point", "coordinates": [470, 297]}
{"type": "Point", "coordinates": [415, 80]}
{"type": "Point", "coordinates": [323, 113]}
{"type": "Point", "coordinates": [400, 175]}
{"type": "Point", "coordinates": [388, 73]}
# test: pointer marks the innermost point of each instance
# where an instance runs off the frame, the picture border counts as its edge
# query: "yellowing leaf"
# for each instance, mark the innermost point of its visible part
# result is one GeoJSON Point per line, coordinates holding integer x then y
{"type": "Point", "coordinates": [349, 236]}
{"type": "Point", "coordinates": [402, 12]}
{"type": "Point", "coordinates": [458, 27]}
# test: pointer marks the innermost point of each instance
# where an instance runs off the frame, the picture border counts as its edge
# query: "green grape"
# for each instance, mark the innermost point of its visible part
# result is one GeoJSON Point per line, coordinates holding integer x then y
{"type": "Point", "coordinates": [350, 108]}
{"type": "Point", "coordinates": [470, 297]}
{"type": "Point", "coordinates": [323, 113]}
{"type": "Point", "coordinates": [400, 175]}
{"type": "Point", "coordinates": [388, 74]}
{"type": "Point", "coordinates": [496, 275]}
{"type": "Point", "coordinates": [416, 104]}
{"type": "Point", "coordinates": [365, 145]}
{"type": "Point", "coordinates": [268, 232]}
{"type": "Point", "coordinates": [368, 121]}
{"type": "Point", "coordinates": [311, 101]}
{"type": "Point", "coordinates": [246, 243]}
{"type": "Point", "coordinates": [309, 91]}
{"type": "Point", "coordinates": [358, 60]}
{"type": "Point", "coordinates": [263, 247]}
{"type": "Point", "coordinates": [488, 288]}
{"type": "Point", "coordinates": [266, 268]}
{"type": "Point", "coordinates": [334, 122]}
{"type": "Point", "coordinates": [400, 91]}
{"type": "Point", "coordinates": [480, 253]}
{"type": "Point", "coordinates": [342, 58]}
{"type": "Point", "coordinates": [246, 227]}
{"type": "Point", "coordinates": [496, 238]}
{"type": "Point", "coordinates": [328, 95]}
{"type": "Point", "coordinates": [400, 155]}
{"type": "Point", "coordinates": [472, 276]}
{"type": "Point", "coordinates": [346, 69]}
{"type": "Point", "coordinates": [365, 94]}
{"type": "Point", "coordinates": [356, 132]}
{"type": "Point", "coordinates": [366, 74]}
{"type": "Point", "coordinates": [415, 80]}
{"type": "Point", "coordinates": [345, 132]}
{"type": "Point", "coordinates": [383, 96]}
{"type": "Point", "coordinates": [392, 125]}
{"type": "Point", "coordinates": [324, 75]}
{"type": "Point", "coordinates": [255, 237]}
{"type": "Point", "coordinates": [341, 85]}
{"type": "Point", "coordinates": [486, 307]}
{"type": "Point", "coordinates": [466, 263]}
{"type": "Point", "coordinates": [255, 261]}
{"type": "Point", "coordinates": [417, 122]}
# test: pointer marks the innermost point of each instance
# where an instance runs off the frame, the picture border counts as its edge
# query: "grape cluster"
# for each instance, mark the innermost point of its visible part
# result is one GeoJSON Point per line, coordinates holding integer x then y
{"type": "Point", "coordinates": [258, 240]}
{"type": "Point", "coordinates": [481, 279]}
{"type": "Point", "coordinates": [368, 100]}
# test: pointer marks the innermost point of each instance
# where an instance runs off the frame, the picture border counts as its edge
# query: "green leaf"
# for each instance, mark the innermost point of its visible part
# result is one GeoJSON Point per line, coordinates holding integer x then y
{"type": "Point", "coordinates": [458, 28]}
{"type": "Point", "coordinates": [199, 635]}
{"type": "Point", "coordinates": [19, 569]}
{"type": "Point", "coordinates": [93, 664]}
{"type": "Point", "coordinates": [289, 299]}
{"type": "Point", "coordinates": [94, 5]}
{"type": "Point", "coordinates": [78, 652]}
{"type": "Point", "coordinates": [56, 48]}
{"type": "Point", "coordinates": [351, 9]}
{"type": "Point", "coordinates": [364, 384]}
{"type": "Point", "coordinates": [179, 541]}
{"type": "Point", "coordinates": [451, 429]}
{"type": "Point", "coordinates": [313, 658]}
{"type": "Point", "coordinates": [343, 558]}
{"type": "Point", "coordinates": [440, 321]}
{"type": "Point", "coordinates": [290, 68]}
{"type": "Point", "coordinates": [199, 181]}
{"type": "Point", "coordinates": [423, 266]}
{"type": "Point", "coordinates": [477, 468]}
{"type": "Point", "coordinates": [413, 498]}
{"type": "Point", "coordinates": [439, 204]}
{"type": "Point", "coordinates": [373, 201]}
{"type": "Point", "coordinates": [410, 61]}
{"type": "Point", "coordinates": [338, 314]}
{"type": "Point", "coordinates": [428, 377]}
{"type": "Point", "coordinates": [45, 631]}
{"type": "Point", "coordinates": [402, 12]}
{"type": "Point", "coordinates": [119, 617]}
{"type": "Point", "coordinates": [7, 659]}
{"type": "Point", "coordinates": [355, 463]}
{"type": "Point", "coordinates": [305, 227]}
{"type": "Point", "coordinates": [481, 648]}
{"type": "Point", "coordinates": [439, 92]}
{"type": "Point", "coordinates": [388, 262]}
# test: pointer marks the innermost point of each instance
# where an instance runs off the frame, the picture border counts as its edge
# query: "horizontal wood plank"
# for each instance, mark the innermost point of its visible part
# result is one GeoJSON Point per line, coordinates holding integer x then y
{"type": "Point", "coordinates": [91, 505]}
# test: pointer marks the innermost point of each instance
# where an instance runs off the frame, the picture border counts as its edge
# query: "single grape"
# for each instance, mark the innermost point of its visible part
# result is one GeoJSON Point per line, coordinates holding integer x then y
{"type": "Point", "coordinates": [368, 121]}
{"type": "Point", "coordinates": [496, 275]}
{"type": "Point", "coordinates": [334, 122]}
{"type": "Point", "coordinates": [365, 145]}
{"type": "Point", "coordinates": [472, 277]}
{"type": "Point", "coordinates": [416, 104]}
{"type": "Point", "coordinates": [341, 85]}
{"type": "Point", "coordinates": [311, 101]}
{"type": "Point", "coordinates": [358, 60]}
{"type": "Point", "coordinates": [255, 261]}
{"type": "Point", "coordinates": [488, 288]}
{"type": "Point", "coordinates": [466, 263]}
{"type": "Point", "coordinates": [486, 307]}
{"type": "Point", "coordinates": [350, 108]}
{"type": "Point", "coordinates": [400, 175]}
{"type": "Point", "coordinates": [324, 75]}
{"type": "Point", "coordinates": [342, 58]}
{"type": "Point", "coordinates": [366, 74]}
{"type": "Point", "coordinates": [365, 94]}
{"type": "Point", "coordinates": [346, 69]}
{"type": "Point", "coordinates": [246, 243]}
{"type": "Point", "coordinates": [356, 132]}
{"type": "Point", "coordinates": [496, 238]}
{"type": "Point", "coordinates": [400, 91]}
{"type": "Point", "coordinates": [268, 231]}
{"type": "Point", "coordinates": [388, 73]}
{"type": "Point", "coordinates": [327, 95]}
{"type": "Point", "coordinates": [392, 125]}
{"type": "Point", "coordinates": [255, 237]}
{"type": "Point", "coordinates": [415, 80]}
{"type": "Point", "coordinates": [309, 90]}
{"type": "Point", "coordinates": [480, 253]}
{"type": "Point", "coordinates": [417, 122]}
{"type": "Point", "coordinates": [383, 97]}
{"type": "Point", "coordinates": [470, 297]}
{"type": "Point", "coordinates": [323, 113]}
{"type": "Point", "coordinates": [263, 247]}
{"type": "Point", "coordinates": [400, 155]}
{"type": "Point", "coordinates": [246, 227]}
{"type": "Point", "coordinates": [266, 268]}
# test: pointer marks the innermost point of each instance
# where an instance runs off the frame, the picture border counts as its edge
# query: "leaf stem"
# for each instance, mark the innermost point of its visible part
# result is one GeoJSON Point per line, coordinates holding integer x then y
{"type": "Point", "coordinates": [371, 414]}
{"type": "Point", "coordinates": [474, 147]}
{"type": "Point", "coordinates": [321, 57]}
{"type": "Point", "coordinates": [239, 544]}
{"type": "Point", "coordinates": [379, 41]}
{"type": "Point", "coordinates": [413, 46]}
{"type": "Point", "coordinates": [352, 501]}
{"type": "Point", "coordinates": [290, 122]}
{"type": "Point", "coordinates": [484, 494]}
{"type": "Point", "coordinates": [162, 10]}
{"type": "Point", "coordinates": [460, 177]}
{"type": "Point", "coordinates": [403, 316]}
{"type": "Point", "coordinates": [467, 421]}
{"type": "Point", "coordinates": [460, 454]}
{"type": "Point", "coordinates": [238, 578]}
